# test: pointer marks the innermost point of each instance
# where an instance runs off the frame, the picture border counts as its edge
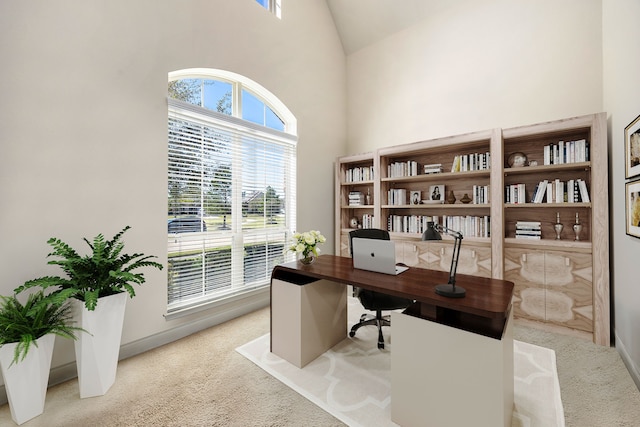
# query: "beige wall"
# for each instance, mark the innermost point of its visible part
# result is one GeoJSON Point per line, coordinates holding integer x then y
{"type": "Point", "coordinates": [621, 36]}
{"type": "Point", "coordinates": [83, 122]}
{"type": "Point", "coordinates": [497, 63]}
{"type": "Point", "coordinates": [477, 65]}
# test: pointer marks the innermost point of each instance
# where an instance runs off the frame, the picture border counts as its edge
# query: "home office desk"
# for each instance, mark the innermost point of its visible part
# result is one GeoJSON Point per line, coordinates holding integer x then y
{"type": "Point", "coordinates": [451, 359]}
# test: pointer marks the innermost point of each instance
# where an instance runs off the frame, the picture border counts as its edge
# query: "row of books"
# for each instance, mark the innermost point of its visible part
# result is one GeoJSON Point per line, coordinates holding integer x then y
{"type": "Point", "coordinates": [400, 169]}
{"type": "Point", "coordinates": [408, 223]}
{"type": "Point", "coordinates": [556, 191]}
{"type": "Point", "coordinates": [566, 152]}
{"type": "Point", "coordinates": [356, 198]}
{"type": "Point", "coordinates": [469, 226]}
{"type": "Point", "coordinates": [515, 193]}
{"type": "Point", "coordinates": [359, 174]}
{"type": "Point", "coordinates": [367, 221]}
{"type": "Point", "coordinates": [471, 162]}
{"type": "Point", "coordinates": [528, 230]}
{"type": "Point", "coordinates": [397, 196]}
{"type": "Point", "coordinates": [480, 194]}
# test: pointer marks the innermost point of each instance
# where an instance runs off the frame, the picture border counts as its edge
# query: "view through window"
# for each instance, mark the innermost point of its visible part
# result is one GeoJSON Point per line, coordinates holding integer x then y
{"type": "Point", "coordinates": [231, 187]}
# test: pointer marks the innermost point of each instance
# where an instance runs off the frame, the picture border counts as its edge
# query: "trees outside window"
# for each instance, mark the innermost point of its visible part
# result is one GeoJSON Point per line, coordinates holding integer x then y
{"type": "Point", "coordinates": [231, 186]}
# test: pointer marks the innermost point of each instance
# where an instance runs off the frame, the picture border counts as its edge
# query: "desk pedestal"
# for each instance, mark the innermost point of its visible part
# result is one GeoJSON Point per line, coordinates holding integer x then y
{"type": "Point", "coordinates": [307, 320]}
{"type": "Point", "coordinates": [444, 376]}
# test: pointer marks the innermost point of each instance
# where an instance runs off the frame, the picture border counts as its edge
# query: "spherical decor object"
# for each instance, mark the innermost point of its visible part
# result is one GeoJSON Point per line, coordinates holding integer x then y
{"type": "Point", "coordinates": [353, 222]}
{"type": "Point", "coordinates": [517, 160]}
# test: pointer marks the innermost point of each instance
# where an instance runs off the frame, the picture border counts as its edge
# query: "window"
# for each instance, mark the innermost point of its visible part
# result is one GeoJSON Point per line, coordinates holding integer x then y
{"type": "Point", "coordinates": [231, 186]}
{"type": "Point", "coordinates": [274, 6]}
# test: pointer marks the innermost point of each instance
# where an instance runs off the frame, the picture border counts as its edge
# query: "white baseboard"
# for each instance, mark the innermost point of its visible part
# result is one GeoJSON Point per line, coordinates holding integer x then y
{"type": "Point", "coordinates": [220, 314]}
{"type": "Point", "coordinates": [628, 361]}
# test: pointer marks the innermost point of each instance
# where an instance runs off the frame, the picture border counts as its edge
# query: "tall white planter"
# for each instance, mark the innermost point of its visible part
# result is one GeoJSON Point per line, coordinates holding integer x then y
{"type": "Point", "coordinates": [26, 381]}
{"type": "Point", "coordinates": [97, 351]}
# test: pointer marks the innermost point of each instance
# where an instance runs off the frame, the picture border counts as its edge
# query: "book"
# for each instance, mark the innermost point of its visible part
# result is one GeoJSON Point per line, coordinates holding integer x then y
{"type": "Point", "coordinates": [520, 236]}
{"type": "Point", "coordinates": [535, 191]}
{"type": "Point", "coordinates": [542, 188]}
{"type": "Point", "coordinates": [455, 166]}
{"type": "Point", "coordinates": [529, 231]}
{"type": "Point", "coordinates": [431, 170]}
{"type": "Point", "coordinates": [524, 227]}
{"type": "Point", "coordinates": [547, 154]}
{"type": "Point", "coordinates": [528, 223]}
{"type": "Point", "coordinates": [584, 192]}
{"type": "Point", "coordinates": [570, 191]}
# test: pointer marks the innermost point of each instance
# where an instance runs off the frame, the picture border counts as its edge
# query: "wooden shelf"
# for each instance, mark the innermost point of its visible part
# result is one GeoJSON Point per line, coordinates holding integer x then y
{"type": "Point", "coordinates": [437, 177]}
{"type": "Point", "coordinates": [440, 206]}
{"type": "Point", "coordinates": [552, 244]}
{"type": "Point", "coordinates": [357, 206]}
{"type": "Point", "coordinates": [586, 166]}
{"type": "Point", "coordinates": [356, 183]}
{"type": "Point", "coordinates": [445, 238]}
{"type": "Point", "coordinates": [570, 278]}
{"type": "Point", "coordinates": [545, 205]}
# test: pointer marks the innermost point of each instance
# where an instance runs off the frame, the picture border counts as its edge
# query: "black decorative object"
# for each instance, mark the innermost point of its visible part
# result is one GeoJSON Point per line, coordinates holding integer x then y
{"type": "Point", "coordinates": [433, 233]}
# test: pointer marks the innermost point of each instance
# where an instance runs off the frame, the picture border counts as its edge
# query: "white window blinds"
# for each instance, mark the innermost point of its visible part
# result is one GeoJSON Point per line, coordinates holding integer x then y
{"type": "Point", "coordinates": [231, 204]}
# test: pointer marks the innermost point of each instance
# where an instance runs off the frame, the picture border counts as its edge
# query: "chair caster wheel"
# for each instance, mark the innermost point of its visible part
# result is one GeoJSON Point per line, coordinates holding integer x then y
{"type": "Point", "coordinates": [352, 334]}
{"type": "Point", "coordinates": [381, 346]}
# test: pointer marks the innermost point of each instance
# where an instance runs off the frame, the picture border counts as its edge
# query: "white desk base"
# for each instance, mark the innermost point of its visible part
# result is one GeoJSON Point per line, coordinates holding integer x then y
{"type": "Point", "coordinates": [442, 376]}
{"type": "Point", "coordinates": [307, 320]}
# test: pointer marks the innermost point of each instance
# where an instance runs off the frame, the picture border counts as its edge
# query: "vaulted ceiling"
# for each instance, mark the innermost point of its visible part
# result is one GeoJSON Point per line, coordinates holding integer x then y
{"type": "Point", "coordinates": [363, 22]}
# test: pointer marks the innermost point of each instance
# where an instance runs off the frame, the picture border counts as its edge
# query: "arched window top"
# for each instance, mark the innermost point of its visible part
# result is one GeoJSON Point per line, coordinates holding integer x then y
{"type": "Point", "coordinates": [232, 94]}
{"type": "Point", "coordinates": [273, 6]}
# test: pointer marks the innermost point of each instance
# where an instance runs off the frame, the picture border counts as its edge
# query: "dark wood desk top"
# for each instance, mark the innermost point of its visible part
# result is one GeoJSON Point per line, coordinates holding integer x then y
{"type": "Point", "coordinates": [488, 299]}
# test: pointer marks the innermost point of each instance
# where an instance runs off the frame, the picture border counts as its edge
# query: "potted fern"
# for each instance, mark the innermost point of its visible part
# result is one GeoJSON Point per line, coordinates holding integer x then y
{"type": "Point", "coordinates": [99, 284]}
{"type": "Point", "coordinates": [27, 335]}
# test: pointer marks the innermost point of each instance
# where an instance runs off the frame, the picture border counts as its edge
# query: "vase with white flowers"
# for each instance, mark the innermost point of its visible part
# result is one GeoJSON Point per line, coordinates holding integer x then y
{"type": "Point", "coordinates": [306, 244]}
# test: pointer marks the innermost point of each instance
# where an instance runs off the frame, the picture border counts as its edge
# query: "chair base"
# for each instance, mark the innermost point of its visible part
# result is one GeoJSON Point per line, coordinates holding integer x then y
{"type": "Point", "coordinates": [378, 320]}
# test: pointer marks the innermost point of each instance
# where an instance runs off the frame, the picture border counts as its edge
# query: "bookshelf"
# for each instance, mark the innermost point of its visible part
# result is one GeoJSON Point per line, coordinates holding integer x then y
{"type": "Point", "coordinates": [560, 284]}
{"type": "Point", "coordinates": [354, 175]}
{"type": "Point", "coordinates": [404, 219]}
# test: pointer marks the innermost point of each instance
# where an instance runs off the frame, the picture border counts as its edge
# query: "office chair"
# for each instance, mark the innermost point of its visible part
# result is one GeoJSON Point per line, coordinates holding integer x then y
{"type": "Point", "coordinates": [375, 301]}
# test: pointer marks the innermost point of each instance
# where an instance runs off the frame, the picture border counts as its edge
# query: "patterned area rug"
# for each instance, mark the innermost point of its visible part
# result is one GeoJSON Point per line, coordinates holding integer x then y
{"type": "Point", "coordinates": [352, 380]}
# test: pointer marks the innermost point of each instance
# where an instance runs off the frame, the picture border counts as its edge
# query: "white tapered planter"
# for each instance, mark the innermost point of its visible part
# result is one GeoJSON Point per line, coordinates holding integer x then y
{"type": "Point", "coordinates": [26, 381]}
{"type": "Point", "coordinates": [97, 351]}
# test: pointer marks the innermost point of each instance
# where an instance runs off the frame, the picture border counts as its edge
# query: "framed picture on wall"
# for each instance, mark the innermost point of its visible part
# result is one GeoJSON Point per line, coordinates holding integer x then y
{"type": "Point", "coordinates": [632, 148]}
{"type": "Point", "coordinates": [633, 208]}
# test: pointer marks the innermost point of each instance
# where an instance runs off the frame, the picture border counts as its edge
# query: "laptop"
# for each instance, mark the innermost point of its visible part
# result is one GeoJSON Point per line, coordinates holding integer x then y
{"type": "Point", "coordinates": [375, 255]}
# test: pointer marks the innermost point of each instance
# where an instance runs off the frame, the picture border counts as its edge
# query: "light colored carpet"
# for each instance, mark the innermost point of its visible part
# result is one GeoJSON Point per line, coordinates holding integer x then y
{"type": "Point", "coordinates": [201, 381]}
{"type": "Point", "coordinates": [352, 381]}
{"type": "Point", "coordinates": [597, 389]}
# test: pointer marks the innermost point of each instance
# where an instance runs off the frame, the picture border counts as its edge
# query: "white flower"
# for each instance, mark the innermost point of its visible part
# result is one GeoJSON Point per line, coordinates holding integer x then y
{"type": "Point", "coordinates": [306, 243]}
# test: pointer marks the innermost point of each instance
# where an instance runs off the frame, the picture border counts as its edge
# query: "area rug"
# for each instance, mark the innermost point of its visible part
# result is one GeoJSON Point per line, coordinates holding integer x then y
{"type": "Point", "coordinates": [352, 381]}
